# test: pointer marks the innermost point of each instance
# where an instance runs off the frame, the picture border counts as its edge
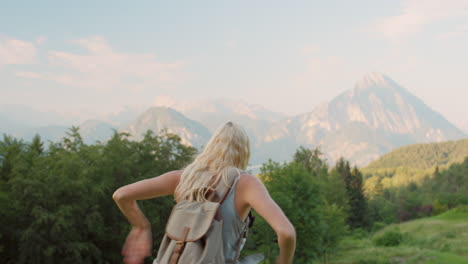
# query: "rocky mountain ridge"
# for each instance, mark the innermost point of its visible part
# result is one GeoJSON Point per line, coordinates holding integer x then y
{"type": "Point", "coordinates": [374, 117]}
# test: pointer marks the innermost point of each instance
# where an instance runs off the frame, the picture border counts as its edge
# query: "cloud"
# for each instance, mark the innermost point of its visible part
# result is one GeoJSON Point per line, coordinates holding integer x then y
{"type": "Point", "coordinates": [14, 51]}
{"type": "Point", "coordinates": [329, 74]}
{"type": "Point", "coordinates": [103, 68]}
{"type": "Point", "coordinates": [231, 44]}
{"type": "Point", "coordinates": [26, 74]}
{"type": "Point", "coordinates": [321, 70]}
{"type": "Point", "coordinates": [41, 40]}
{"type": "Point", "coordinates": [417, 14]}
{"type": "Point", "coordinates": [459, 31]}
{"type": "Point", "coordinates": [310, 49]}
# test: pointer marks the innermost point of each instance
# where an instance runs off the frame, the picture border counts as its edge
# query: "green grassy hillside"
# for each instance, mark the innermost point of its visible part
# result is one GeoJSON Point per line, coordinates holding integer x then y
{"type": "Point", "coordinates": [438, 239]}
{"type": "Point", "coordinates": [413, 163]}
{"type": "Point", "coordinates": [423, 156]}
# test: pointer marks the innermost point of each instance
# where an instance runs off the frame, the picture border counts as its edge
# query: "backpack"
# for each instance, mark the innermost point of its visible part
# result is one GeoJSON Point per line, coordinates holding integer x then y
{"type": "Point", "coordinates": [194, 231]}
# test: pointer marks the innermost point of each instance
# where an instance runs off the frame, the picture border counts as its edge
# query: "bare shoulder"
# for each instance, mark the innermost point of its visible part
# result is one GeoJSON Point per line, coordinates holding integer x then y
{"type": "Point", "coordinates": [247, 186]}
{"type": "Point", "coordinates": [248, 182]}
{"type": "Point", "coordinates": [176, 173]}
{"type": "Point", "coordinates": [247, 178]}
{"type": "Point", "coordinates": [171, 176]}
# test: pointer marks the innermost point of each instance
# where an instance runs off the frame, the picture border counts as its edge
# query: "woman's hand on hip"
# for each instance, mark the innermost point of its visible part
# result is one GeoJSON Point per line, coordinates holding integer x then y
{"type": "Point", "coordinates": [137, 245]}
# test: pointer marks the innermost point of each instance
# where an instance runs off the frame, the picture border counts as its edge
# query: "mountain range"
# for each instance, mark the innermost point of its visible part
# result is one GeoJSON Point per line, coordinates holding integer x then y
{"type": "Point", "coordinates": [361, 124]}
{"type": "Point", "coordinates": [374, 117]}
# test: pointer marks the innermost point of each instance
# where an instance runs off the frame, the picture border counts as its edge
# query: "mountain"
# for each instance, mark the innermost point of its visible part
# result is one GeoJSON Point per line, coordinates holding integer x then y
{"type": "Point", "coordinates": [124, 115]}
{"type": "Point", "coordinates": [462, 124]}
{"type": "Point", "coordinates": [90, 131]}
{"type": "Point", "coordinates": [204, 109]}
{"type": "Point", "coordinates": [8, 125]}
{"type": "Point", "coordinates": [94, 130]}
{"type": "Point", "coordinates": [22, 125]}
{"type": "Point", "coordinates": [255, 119]}
{"type": "Point", "coordinates": [361, 124]}
{"type": "Point", "coordinates": [52, 133]}
{"type": "Point", "coordinates": [22, 121]}
{"type": "Point", "coordinates": [158, 118]}
{"type": "Point", "coordinates": [30, 117]}
{"type": "Point", "coordinates": [423, 156]}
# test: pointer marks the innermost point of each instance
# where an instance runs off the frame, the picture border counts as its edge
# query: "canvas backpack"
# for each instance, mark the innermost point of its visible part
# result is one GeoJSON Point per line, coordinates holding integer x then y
{"type": "Point", "coordinates": [194, 231]}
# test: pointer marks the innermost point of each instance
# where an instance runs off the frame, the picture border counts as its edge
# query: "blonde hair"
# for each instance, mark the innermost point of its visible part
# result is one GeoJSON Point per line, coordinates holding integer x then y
{"type": "Point", "coordinates": [228, 147]}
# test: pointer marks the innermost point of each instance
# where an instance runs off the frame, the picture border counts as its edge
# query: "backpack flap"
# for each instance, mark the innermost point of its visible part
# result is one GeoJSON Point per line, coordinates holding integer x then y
{"type": "Point", "coordinates": [196, 216]}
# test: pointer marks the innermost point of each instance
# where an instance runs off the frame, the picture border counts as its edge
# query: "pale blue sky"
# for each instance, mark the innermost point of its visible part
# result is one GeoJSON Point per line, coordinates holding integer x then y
{"type": "Point", "coordinates": [286, 55]}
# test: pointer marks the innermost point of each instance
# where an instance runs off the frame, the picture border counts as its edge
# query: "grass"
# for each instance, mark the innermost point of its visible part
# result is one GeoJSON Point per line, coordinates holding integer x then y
{"type": "Point", "coordinates": [441, 239]}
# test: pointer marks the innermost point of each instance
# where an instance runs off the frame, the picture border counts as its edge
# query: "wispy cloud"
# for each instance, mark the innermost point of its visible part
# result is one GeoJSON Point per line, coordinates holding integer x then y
{"type": "Point", "coordinates": [414, 15]}
{"type": "Point", "coordinates": [103, 68]}
{"type": "Point", "coordinates": [15, 51]}
{"type": "Point", "coordinates": [41, 40]}
{"type": "Point", "coordinates": [320, 70]}
{"type": "Point", "coordinates": [458, 31]}
{"type": "Point", "coordinates": [231, 44]}
{"type": "Point", "coordinates": [331, 73]}
{"type": "Point", "coordinates": [26, 74]}
{"type": "Point", "coordinates": [310, 49]}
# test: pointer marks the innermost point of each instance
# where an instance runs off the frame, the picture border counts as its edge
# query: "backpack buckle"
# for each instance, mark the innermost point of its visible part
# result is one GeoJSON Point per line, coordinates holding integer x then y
{"type": "Point", "coordinates": [180, 245]}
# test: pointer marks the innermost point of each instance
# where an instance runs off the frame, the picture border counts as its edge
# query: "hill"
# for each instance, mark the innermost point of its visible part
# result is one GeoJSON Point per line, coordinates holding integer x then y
{"type": "Point", "coordinates": [413, 164]}
{"type": "Point", "coordinates": [437, 239]}
{"type": "Point", "coordinates": [423, 156]}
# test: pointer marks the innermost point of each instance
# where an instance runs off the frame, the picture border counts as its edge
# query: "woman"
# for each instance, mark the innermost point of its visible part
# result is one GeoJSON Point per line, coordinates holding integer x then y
{"type": "Point", "coordinates": [228, 147]}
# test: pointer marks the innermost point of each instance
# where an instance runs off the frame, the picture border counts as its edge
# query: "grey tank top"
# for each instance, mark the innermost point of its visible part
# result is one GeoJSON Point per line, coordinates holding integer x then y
{"type": "Point", "coordinates": [233, 226]}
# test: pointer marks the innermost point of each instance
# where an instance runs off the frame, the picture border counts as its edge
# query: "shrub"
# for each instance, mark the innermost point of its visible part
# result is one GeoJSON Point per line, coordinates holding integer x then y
{"type": "Point", "coordinates": [372, 260]}
{"type": "Point", "coordinates": [389, 238]}
{"type": "Point", "coordinates": [377, 226]}
{"type": "Point", "coordinates": [439, 207]}
{"type": "Point", "coordinates": [424, 210]}
{"type": "Point", "coordinates": [359, 233]}
{"type": "Point", "coordinates": [461, 209]}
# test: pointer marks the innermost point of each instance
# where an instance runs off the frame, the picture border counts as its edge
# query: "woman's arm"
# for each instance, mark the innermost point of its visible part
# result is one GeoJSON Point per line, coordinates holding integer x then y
{"type": "Point", "coordinates": [164, 184]}
{"type": "Point", "coordinates": [126, 196]}
{"type": "Point", "coordinates": [138, 243]}
{"type": "Point", "coordinates": [259, 199]}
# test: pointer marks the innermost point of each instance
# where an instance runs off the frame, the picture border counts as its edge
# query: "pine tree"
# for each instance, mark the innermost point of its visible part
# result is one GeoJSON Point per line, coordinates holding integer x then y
{"type": "Point", "coordinates": [36, 145]}
{"type": "Point", "coordinates": [357, 201]}
{"type": "Point", "coordinates": [355, 193]}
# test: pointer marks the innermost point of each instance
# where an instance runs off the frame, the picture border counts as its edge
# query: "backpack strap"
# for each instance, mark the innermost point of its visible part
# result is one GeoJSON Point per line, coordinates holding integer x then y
{"type": "Point", "coordinates": [222, 189]}
{"type": "Point", "coordinates": [234, 174]}
{"type": "Point", "coordinates": [248, 224]}
{"type": "Point", "coordinates": [179, 247]}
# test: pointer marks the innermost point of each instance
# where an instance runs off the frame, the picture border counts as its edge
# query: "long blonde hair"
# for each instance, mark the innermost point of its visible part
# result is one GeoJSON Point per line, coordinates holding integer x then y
{"type": "Point", "coordinates": [228, 147]}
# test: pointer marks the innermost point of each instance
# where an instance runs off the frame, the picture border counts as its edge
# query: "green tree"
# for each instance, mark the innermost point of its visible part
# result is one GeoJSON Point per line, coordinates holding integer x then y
{"type": "Point", "coordinates": [333, 230]}
{"type": "Point", "coordinates": [310, 158]}
{"type": "Point", "coordinates": [57, 205]}
{"type": "Point", "coordinates": [357, 215]}
{"type": "Point", "coordinates": [297, 192]}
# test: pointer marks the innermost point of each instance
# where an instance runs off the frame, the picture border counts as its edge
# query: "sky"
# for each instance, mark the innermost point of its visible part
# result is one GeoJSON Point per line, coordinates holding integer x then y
{"type": "Point", "coordinates": [97, 56]}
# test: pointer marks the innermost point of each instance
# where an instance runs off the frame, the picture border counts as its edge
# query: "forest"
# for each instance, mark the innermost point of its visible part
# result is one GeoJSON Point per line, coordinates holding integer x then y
{"type": "Point", "coordinates": [56, 200]}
